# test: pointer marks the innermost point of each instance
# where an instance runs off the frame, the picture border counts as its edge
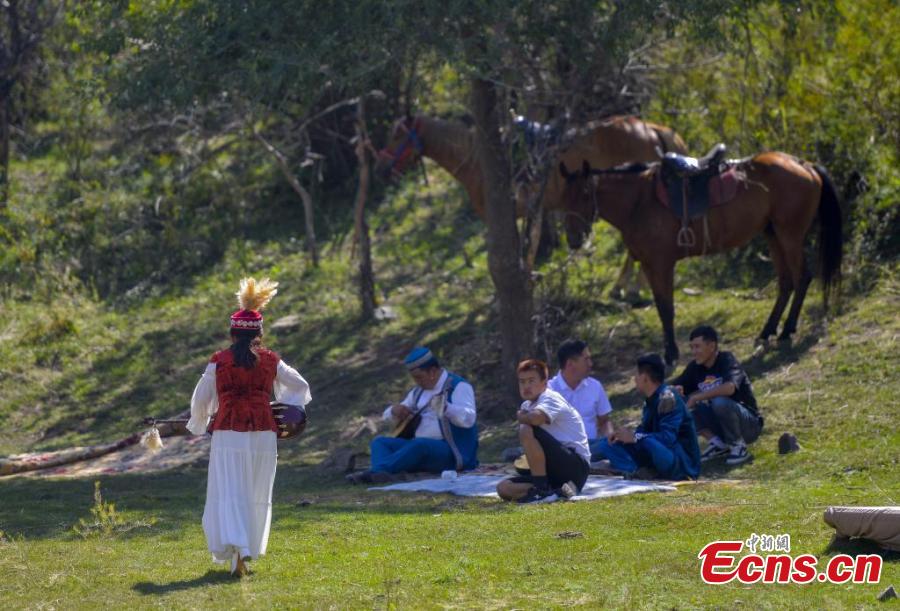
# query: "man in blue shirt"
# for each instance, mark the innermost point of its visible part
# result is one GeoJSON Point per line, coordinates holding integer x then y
{"type": "Point", "coordinates": [666, 439]}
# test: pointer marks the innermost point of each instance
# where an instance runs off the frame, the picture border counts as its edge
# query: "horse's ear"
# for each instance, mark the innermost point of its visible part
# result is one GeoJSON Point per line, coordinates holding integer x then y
{"type": "Point", "coordinates": [586, 167]}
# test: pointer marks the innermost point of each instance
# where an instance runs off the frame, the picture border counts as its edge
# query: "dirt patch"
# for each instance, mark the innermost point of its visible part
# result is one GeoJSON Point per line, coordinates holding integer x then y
{"type": "Point", "coordinates": [177, 452]}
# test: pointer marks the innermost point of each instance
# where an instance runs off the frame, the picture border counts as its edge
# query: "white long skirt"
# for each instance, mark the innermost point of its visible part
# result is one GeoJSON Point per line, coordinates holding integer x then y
{"type": "Point", "coordinates": [238, 509]}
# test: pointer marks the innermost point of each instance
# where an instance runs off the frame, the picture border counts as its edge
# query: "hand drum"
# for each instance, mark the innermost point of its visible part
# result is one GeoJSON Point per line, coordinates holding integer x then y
{"type": "Point", "coordinates": [291, 419]}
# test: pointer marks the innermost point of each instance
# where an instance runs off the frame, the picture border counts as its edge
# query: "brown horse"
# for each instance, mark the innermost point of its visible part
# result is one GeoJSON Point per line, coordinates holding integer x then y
{"type": "Point", "coordinates": [605, 143]}
{"type": "Point", "coordinates": [781, 197]}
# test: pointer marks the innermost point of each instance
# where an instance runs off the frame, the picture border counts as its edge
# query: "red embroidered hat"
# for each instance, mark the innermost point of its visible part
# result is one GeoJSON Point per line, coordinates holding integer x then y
{"type": "Point", "coordinates": [246, 319]}
{"type": "Point", "coordinates": [252, 297]}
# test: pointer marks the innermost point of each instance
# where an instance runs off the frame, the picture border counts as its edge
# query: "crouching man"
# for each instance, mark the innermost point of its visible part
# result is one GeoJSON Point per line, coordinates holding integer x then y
{"type": "Point", "coordinates": [666, 441]}
{"type": "Point", "coordinates": [552, 434]}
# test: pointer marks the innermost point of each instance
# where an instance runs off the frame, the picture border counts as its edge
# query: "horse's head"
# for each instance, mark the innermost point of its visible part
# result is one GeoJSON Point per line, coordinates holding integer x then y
{"type": "Point", "coordinates": [403, 149]}
{"type": "Point", "coordinates": [578, 184]}
{"type": "Point", "coordinates": [578, 199]}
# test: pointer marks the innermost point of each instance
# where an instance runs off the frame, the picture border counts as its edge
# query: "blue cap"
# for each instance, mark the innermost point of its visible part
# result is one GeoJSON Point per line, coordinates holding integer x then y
{"type": "Point", "coordinates": [418, 357]}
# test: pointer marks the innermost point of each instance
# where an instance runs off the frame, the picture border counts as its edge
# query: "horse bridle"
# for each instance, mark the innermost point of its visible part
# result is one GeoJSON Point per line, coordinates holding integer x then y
{"type": "Point", "coordinates": [411, 143]}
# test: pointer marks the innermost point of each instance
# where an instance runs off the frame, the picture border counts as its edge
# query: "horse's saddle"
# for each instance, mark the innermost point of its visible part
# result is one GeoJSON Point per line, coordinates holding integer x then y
{"type": "Point", "coordinates": [689, 186]}
{"type": "Point", "coordinates": [537, 135]}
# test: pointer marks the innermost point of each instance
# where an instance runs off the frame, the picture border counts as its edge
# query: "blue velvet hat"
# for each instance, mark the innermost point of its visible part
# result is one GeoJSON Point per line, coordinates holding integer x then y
{"type": "Point", "coordinates": [417, 357]}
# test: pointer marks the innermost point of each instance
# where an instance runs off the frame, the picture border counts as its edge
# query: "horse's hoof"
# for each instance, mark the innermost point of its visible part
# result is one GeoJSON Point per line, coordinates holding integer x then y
{"type": "Point", "coordinates": [762, 344]}
{"type": "Point", "coordinates": [785, 341]}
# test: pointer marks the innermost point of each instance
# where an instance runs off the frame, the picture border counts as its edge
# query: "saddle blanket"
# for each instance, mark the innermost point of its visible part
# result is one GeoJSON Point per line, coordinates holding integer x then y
{"type": "Point", "coordinates": [714, 191]}
{"type": "Point", "coordinates": [596, 487]}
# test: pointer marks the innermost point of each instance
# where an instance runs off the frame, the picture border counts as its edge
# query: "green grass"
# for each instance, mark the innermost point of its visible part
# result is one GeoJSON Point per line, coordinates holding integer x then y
{"type": "Point", "coordinates": [80, 370]}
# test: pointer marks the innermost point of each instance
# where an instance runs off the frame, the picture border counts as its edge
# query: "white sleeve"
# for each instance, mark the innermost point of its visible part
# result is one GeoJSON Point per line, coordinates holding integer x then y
{"type": "Point", "coordinates": [548, 406]}
{"type": "Point", "coordinates": [290, 387]}
{"type": "Point", "coordinates": [603, 405]}
{"type": "Point", "coordinates": [407, 401]}
{"type": "Point", "coordinates": [461, 411]}
{"type": "Point", "coordinates": [204, 401]}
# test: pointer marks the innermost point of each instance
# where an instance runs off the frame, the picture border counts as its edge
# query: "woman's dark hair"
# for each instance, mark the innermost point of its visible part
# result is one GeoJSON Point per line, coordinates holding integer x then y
{"type": "Point", "coordinates": [246, 343]}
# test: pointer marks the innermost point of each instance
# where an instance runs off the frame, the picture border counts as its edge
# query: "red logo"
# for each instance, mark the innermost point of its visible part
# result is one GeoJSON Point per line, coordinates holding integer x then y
{"type": "Point", "coordinates": [719, 564]}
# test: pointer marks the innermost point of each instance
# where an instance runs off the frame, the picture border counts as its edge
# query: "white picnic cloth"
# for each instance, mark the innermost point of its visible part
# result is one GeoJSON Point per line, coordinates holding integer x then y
{"type": "Point", "coordinates": [596, 487]}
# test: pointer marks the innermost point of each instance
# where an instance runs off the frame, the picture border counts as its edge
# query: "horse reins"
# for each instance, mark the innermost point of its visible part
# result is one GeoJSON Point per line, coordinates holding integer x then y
{"type": "Point", "coordinates": [411, 143]}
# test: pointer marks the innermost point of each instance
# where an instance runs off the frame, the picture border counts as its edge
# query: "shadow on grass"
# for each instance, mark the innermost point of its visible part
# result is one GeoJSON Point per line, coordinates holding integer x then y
{"type": "Point", "coordinates": [719, 469]}
{"type": "Point", "coordinates": [212, 577]}
{"type": "Point", "coordinates": [48, 508]}
{"type": "Point", "coordinates": [858, 546]}
{"type": "Point", "coordinates": [779, 354]}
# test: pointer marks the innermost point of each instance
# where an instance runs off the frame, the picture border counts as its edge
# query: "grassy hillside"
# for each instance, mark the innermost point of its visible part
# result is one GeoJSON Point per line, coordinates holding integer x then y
{"type": "Point", "coordinates": [78, 369]}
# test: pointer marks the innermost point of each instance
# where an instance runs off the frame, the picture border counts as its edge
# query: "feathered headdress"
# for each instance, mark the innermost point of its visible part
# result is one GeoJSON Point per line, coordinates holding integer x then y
{"type": "Point", "coordinates": [252, 297]}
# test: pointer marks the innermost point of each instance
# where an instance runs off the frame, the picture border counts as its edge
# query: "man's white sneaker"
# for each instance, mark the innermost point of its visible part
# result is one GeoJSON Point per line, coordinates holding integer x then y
{"type": "Point", "coordinates": [539, 495]}
{"type": "Point", "coordinates": [737, 455]}
{"type": "Point", "coordinates": [567, 490]}
{"type": "Point", "coordinates": [713, 451]}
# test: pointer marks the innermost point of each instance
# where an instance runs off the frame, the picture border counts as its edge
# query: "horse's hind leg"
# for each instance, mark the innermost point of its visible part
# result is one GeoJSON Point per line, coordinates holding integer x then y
{"type": "Point", "coordinates": [662, 280]}
{"type": "Point", "coordinates": [785, 286]}
{"type": "Point", "coordinates": [801, 277]}
{"type": "Point", "coordinates": [802, 284]}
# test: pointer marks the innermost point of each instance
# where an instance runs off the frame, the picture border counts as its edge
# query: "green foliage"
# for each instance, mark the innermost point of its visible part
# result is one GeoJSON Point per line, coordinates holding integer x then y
{"type": "Point", "coordinates": [106, 521]}
{"type": "Point", "coordinates": [810, 78]}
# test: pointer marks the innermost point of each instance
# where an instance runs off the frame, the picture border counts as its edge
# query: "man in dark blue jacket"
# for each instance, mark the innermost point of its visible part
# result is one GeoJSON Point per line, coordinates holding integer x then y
{"type": "Point", "coordinates": [666, 439]}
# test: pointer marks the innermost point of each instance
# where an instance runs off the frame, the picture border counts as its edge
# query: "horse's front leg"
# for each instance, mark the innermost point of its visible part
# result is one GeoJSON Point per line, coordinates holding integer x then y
{"type": "Point", "coordinates": [662, 280]}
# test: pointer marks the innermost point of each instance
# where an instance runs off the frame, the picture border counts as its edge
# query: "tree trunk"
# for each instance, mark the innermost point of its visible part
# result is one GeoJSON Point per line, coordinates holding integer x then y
{"type": "Point", "coordinates": [508, 272]}
{"type": "Point", "coordinates": [309, 223]}
{"type": "Point", "coordinates": [4, 153]}
{"type": "Point", "coordinates": [309, 218]}
{"type": "Point", "coordinates": [366, 275]}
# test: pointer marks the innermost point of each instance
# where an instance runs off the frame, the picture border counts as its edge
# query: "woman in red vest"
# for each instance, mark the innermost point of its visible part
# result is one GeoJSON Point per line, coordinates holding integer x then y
{"type": "Point", "coordinates": [234, 392]}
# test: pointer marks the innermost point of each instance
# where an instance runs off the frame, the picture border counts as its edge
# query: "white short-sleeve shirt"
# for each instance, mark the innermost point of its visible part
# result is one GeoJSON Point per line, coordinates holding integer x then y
{"type": "Point", "coordinates": [588, 398]}
{"type": "Point", "coordinates": [565, 425]}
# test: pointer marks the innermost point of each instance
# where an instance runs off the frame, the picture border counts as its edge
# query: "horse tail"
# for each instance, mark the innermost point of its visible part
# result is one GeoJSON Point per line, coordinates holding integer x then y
{"type": "Point", "coordinates": [669, 140]}
{"type": "Point", "coordinates": [831, 236]}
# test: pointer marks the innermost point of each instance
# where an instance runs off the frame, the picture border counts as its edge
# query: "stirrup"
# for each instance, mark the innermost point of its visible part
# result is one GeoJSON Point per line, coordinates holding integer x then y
{"type": "Point", "coordinates": [686, 238]}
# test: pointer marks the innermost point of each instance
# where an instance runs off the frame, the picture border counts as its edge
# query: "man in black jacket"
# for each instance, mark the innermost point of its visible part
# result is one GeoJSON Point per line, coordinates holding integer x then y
{"type": "Point", "coordinates": [719, 393]}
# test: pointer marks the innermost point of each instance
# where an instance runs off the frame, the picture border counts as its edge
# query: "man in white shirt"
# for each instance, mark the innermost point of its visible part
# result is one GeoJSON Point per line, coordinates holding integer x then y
{"type": "Point", "coordinates": [440, 433]}
{"type": "Point", "coordinates": [552, 433]}
{"type": "Point", "coordinates": [584, 393]}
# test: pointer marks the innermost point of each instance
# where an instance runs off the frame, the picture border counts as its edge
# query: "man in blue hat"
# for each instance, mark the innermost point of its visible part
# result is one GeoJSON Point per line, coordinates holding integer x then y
{"type": "Point", "coordinates": [434, 425]}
